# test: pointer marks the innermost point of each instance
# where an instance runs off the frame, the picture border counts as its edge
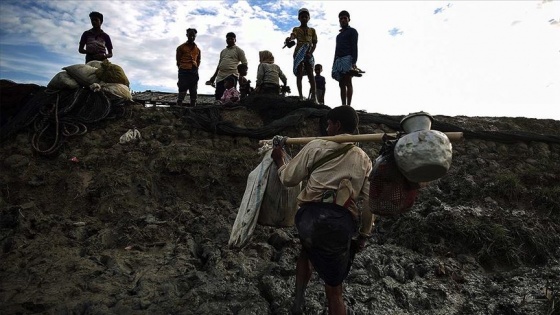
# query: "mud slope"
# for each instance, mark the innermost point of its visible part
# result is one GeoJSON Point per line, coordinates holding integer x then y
{"type": "Point", "coordinates": [142, 228]}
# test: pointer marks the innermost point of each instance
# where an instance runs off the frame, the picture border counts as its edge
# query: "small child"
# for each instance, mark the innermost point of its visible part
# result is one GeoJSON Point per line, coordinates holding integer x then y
{"type": "Point", "coordinates": [320, 83]}
{"type": "Point", "coordinates": [244, 84]}
{"type": "Point", "coordinates": [303, 55]}
{"type": "Point", "coordinates": [231, 95]}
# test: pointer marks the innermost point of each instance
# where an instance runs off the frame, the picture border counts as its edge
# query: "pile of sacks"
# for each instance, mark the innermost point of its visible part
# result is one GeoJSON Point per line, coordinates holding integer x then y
{"type": "Point", "coordinates": [96, 75]}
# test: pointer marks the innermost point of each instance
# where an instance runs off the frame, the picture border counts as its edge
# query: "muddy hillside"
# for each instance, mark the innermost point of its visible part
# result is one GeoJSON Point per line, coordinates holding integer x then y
{"type": "Point", "coordinates": [94, 222]}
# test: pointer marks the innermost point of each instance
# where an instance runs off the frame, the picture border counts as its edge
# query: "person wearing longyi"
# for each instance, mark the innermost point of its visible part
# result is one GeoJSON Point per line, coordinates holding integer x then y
{"type": "Point", "coordinates": [337, 178]}
{"type": "Point", "coordinates": [304, 61]}
{"type": "Point", "coordinates": [345, 58]}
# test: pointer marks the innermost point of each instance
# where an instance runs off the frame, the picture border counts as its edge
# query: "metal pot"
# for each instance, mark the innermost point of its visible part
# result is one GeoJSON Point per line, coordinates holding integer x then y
{"type": "Point", "coordinates": [416, 122]}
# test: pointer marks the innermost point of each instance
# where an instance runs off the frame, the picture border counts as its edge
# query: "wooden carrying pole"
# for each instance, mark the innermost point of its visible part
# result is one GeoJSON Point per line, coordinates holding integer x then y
{"type": "Point", "coordinates": [372, 137]}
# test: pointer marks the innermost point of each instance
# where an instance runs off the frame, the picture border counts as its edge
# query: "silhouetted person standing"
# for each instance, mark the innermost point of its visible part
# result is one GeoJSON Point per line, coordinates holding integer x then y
{"type": "Point", "coordinates": [188, 62]}
{"type": "Point", "coordinates": [230, 57]}
{"type": "Point", "coordinates": [95, 43]}
{"type": "Point", "coordinates": [345, 58]}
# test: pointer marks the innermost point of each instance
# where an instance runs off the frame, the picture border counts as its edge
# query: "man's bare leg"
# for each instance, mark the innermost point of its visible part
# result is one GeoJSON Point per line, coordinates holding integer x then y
{"type": "Point", "coordinates": [312, 83]}
{"type": "Point", "coordinates": [346, 89]}
{"type": "Point", "coordinates": [342, 86]}
{"type": "Point", "coordinates": [349, 90]}
{"type": "Point", "coordinates": [303, 275]}
{"type": "Point", "coordinates": [299, 86]}
{"type": "Point", "coordinates": [334, 300]}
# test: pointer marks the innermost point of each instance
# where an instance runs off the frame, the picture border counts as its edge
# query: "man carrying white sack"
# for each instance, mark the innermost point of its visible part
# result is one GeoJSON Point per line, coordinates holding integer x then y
{"type": "Point", "coordinates": [328, 215]}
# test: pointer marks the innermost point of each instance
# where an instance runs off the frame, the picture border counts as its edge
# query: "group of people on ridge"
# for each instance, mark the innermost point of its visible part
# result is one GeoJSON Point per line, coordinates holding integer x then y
{"type": "Point", "coordinates": [232, 65]}
{"type": "Point", "coordinates": [331, 225]}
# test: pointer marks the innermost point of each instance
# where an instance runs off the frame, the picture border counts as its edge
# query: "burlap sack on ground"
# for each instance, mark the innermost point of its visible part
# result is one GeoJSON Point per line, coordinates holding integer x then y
{"type": "Point", "coordinates": [112, 73]}
{"type": "Point", "coordinates": [83, 74]}
{"type": "Point", "coordinates": [117, 90]}
{"type": "Point", "coordinates": [63, 81]}
{"type": "Point", "coordinates": [95, 63]}
{"type": "Point", "coordinates": [279, 203]}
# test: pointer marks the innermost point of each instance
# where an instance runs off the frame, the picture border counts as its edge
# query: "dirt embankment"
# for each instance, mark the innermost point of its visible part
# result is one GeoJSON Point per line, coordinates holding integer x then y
{"type": "Point", "coordinates": [142, 227]}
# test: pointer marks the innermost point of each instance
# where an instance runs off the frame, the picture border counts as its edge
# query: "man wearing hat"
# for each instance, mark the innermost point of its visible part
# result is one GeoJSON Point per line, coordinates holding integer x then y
{"type": "Point", "coordinates": [230, 57]}
{"type": "Point", "coordinates": [188, 62]}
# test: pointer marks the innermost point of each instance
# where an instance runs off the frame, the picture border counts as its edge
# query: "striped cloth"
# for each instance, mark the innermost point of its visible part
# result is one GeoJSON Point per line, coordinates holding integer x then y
{"type": "Point", "coordinates": [341, 66]}
{"type": "Point", "coordinates": [300, 57]}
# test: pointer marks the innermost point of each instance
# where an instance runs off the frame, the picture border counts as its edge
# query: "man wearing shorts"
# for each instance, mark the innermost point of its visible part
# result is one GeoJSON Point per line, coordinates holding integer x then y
{"type": "Point", "coordinates": [337, 178]}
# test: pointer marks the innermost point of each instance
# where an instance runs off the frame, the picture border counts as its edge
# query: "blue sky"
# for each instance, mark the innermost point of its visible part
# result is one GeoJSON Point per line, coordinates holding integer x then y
{"type": "Point", "coordinates": [472, 58]}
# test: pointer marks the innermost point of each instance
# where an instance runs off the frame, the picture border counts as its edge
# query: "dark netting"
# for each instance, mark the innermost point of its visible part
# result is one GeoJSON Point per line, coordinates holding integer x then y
{"type": "Point", "coordinates": [390, 193]}
{"type": "Point", "coordinates": [57, 115]}
{"type": "Point", "coordinates": [282, 113]}
{"type": "Point", "coordinates": [278, 115]}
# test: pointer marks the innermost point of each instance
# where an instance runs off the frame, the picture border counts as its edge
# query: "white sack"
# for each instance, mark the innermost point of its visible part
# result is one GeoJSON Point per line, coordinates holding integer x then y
{"type": "Point", "coordinates": [95, 63]}
{"type": "Point", "coordinates": [117, 90]}
{"type": "Point", "coordinates": [83, 74]}
{"type": "Point", "coordinates": [248, 212]}
{"type": "Point", "coordinates": [279, 204]}
{"type": "Point", "coordinates": [63, 81]}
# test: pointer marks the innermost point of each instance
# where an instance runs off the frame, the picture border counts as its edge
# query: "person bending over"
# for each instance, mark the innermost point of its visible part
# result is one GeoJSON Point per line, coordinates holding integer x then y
{"type": "Point", "coordinates": [328, 207]}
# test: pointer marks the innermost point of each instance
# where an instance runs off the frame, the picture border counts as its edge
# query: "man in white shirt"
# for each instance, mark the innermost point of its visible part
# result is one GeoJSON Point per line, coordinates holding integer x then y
{"type": "Point", "coordinates": [337, 177]}
{"type": "Point", "coordinates": [230, 57]}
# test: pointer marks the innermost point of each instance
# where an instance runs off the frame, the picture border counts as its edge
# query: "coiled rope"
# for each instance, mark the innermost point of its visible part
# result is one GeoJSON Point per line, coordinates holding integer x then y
{"type": "Point", "coordinates": [67, 118]}
{"type": "Point", "coordinates": [56, 115]}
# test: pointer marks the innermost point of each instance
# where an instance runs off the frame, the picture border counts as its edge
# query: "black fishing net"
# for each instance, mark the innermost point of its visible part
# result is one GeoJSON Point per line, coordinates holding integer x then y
{"type": "Point", "coordinates": [53, 116]}
{"type": "Point", "coordinates": [56, 115]}
{"type": "Point", "coordinates": [282, 113]}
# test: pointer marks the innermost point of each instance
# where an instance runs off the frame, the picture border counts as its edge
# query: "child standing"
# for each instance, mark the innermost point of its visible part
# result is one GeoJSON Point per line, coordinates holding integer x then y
{"type": "Point", "coordinates": [303, 55]}
{"type": "Point", "coordinates": [320, 83]}
{"type": "Point", "coordinates": [244, 84]}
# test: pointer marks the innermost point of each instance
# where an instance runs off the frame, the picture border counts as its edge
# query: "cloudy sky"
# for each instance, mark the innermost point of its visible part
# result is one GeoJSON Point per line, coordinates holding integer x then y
{"type": "Point", "coordinates": [472, 58]}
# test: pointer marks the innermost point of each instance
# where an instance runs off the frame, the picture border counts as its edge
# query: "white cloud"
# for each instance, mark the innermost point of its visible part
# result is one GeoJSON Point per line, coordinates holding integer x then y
{"type": "Point", "coordinates": [475, 58]}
